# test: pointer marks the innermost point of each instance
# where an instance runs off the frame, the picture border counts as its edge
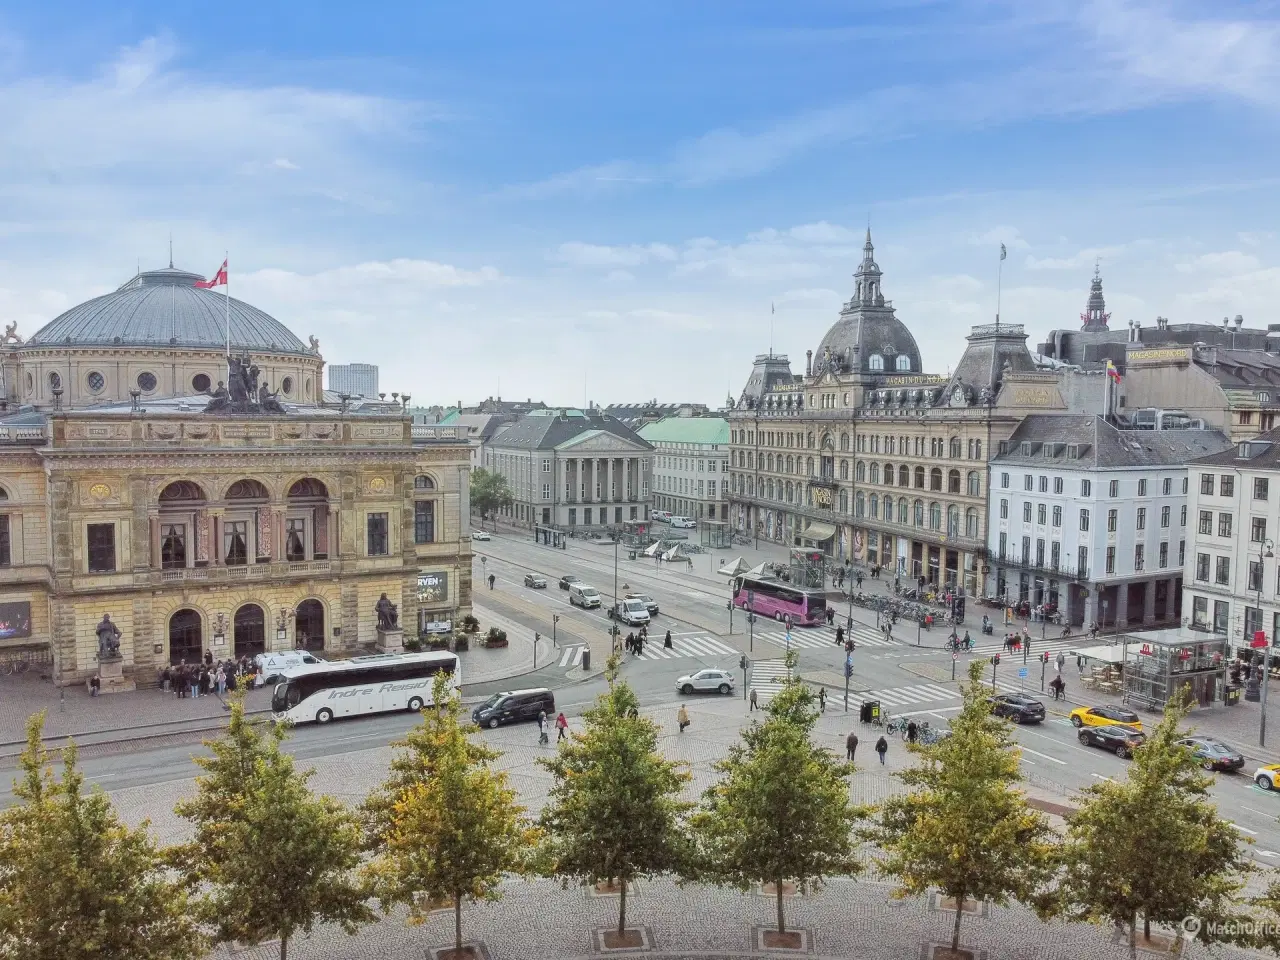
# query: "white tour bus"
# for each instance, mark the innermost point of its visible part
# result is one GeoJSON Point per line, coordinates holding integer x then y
{"type": "Point", "coordinates": [361, 685]}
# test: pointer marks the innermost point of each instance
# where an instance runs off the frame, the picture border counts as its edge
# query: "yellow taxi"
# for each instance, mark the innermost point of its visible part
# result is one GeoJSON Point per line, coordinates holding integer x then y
{"type": "Point", "coordinates": [1268, 777]}
{"type": "Point", "coordinates": [1105, 717]}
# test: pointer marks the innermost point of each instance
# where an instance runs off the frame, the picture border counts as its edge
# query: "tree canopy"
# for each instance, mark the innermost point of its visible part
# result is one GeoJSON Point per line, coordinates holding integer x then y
{"type": "Point", "coordinates": [489, 492]}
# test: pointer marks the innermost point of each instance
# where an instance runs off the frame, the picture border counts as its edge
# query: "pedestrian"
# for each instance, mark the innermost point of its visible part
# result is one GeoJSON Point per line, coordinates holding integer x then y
{"type": "Point", "coordinates": [682, 717]}
{"type": "Point", "coordinates": [543, 735]}
{"type": "Point", "coordinates": [221, 678]}
{"type": "Point", "coordinates": [492, 579]}
{"type": "Point", "coordinates": [831, 616]}
{"type": "Point", "coordinates": [822, 699]}
{"type": "Point", "coordinates": [754, 704]}
{"type": "Point", "coordinates": [1061, 660]}
{"type": "Point", "coordinates": [859, 580]}
{"type": "Point", "coordinates": [1080, 662]}
{"type": "Point", "coordinates": [95, 684]}
{"type": "Point", "coordinates": [912, 731]}
{"type": "Point", "coordinates": [633, 713]}
{"type": "Point", "coordinates": [208, 658]}
{"type": "Point", "coordinates": [839, 636]}
{"type": "Point", "coordinates": [850, 745]}
{"type": "Point", "coordinates": [165, 675]}
{"type": "Point", "coordinates": [562, 724]}
{"type": "Point", "coordinates": [882, 747]}
{"type": "Point", "coordinates": [631, 643]}
{"type": "Point", "coordinates": [666, 641]}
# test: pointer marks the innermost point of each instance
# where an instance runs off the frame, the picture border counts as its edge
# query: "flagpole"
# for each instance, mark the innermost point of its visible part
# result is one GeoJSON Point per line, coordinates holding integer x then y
{"type": "Point", "coordinates": [999, 283]}
{"type": "Point", "coordinates": [227, 263]}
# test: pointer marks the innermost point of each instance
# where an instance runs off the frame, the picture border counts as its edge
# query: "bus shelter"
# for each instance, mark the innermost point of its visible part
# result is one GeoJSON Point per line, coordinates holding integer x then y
{"type": "Point", "coordinates": [1159, 663]}
{"type": "Point", "coordinates": [549, 537]}
{"type": "Point", "coordinates": [716, 534]}
{"type": "Point", "coordinates": [808, 568]}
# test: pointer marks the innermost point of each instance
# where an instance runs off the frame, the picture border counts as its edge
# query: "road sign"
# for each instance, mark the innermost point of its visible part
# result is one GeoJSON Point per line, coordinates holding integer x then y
{"type": "Point", "coordinates": [955, 656]}
{"type": "Point", "coordinates": [849, 660]}
{"type": "Point", "coordinates": [1022, 671]}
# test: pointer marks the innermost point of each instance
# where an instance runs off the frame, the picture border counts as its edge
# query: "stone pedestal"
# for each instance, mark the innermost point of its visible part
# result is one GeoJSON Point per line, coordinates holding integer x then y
{"type": "Point", "coordinates": [111, 675]}
{"type": "Point", "coordinates": [391, 640]}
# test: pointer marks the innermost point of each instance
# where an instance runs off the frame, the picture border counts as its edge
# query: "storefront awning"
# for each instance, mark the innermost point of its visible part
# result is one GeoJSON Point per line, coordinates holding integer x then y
{"type": "Point", "coordinates": [818, 532]}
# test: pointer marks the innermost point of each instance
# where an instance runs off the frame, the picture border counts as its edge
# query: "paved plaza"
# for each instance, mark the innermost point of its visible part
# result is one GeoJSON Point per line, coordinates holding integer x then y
{"type": "Point", "coordinates": [538, 918]}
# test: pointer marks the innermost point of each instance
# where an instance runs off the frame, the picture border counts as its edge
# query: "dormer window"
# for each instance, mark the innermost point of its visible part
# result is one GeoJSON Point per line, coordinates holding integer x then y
{"type": "Point", "coordinates": [904, 362]}
{"type": "Point", "coordinates": [876, 362]}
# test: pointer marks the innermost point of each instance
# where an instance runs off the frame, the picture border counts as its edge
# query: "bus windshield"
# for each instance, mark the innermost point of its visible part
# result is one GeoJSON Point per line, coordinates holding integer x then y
{"type": "Point", "coordinates": [780, 601]}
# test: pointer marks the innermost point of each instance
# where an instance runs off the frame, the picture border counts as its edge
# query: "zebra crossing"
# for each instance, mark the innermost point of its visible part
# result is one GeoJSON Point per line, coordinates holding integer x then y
{"type": "Point", "coordinates": [1066, 646]}
{"type": "Point", "coordinates": [824, 637]}
{"type": "Point", "coordinates": [691, 646]}
{"type": "Point", "coordinates": [767, 677]}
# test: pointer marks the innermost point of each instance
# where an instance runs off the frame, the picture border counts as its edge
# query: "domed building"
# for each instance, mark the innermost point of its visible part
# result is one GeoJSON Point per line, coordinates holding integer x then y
{"type": "Point", "coordinates": [160, 335]}
{"type": "Point", "coordinates": [868, 458]}
{"type": "Point", "coordinates": [211, 523]}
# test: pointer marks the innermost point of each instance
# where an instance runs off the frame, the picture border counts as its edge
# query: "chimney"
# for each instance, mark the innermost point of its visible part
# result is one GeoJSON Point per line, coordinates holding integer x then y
{"type": "Point", "coordinates": [1226, 322]}
{"type": "Point", "coordinates": [1239, 320]}
{"type": "Point", "coordinates": [808, 363]}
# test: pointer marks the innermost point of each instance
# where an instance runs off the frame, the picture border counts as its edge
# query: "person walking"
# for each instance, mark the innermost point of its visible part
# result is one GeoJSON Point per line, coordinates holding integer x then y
{"type": "Point", "coordinates": [543, 735]}
{"type": "Point", "coordinates": [882, 747]}
{"type": "Point", "coordinates": [1061, 660]}
{"type": "Point", "coordinates": [839, 636]}
{"type": "Point", "coordinates": [682, 717]}
{"type": "Point", "coordinates": [562, 725]}
{"type": "Point", "coordinates": [912, 731]}
{"type": "Point", "coordinates": [858, 580]}
{"type": "Point", "coordinates": [822, 699]}
{"type": "Point", "coordinates": [850, 745]}
{"type": "Point", "coordinates": [666, 641]}
{"type": "Point", "coordinates": [492, 579]}
{"type": "Point", "coordinates": [221, 677]}
{"type": "Point", "coordinates": [754, 702]}
{"type": "Point", "coordinates": [831, 616]}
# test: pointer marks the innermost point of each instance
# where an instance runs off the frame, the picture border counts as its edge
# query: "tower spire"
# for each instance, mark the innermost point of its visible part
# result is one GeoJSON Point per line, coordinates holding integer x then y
{"type": "Point", "coordinates": [170, 249]}
{"type": "Point", "coordinates": [1095, 314]}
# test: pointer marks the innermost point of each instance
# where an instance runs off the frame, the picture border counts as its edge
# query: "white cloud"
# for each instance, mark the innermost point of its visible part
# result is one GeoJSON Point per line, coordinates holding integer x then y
{"type": "Point", "coordinates": [1082, 258]}
{"type": "Point", "coordinates": [580, 254]}
{"type": "Point", "coordinates": [1229, 262]}
{"type": "Point", "coordinates": [1011, 237]}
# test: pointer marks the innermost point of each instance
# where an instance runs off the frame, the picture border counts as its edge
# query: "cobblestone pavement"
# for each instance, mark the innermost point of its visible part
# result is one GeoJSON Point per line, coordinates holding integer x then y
{"type": "Point", "coordinates": [539, 918]}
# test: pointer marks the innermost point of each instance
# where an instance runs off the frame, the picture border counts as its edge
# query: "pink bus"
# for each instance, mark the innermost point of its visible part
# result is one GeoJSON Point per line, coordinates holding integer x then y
{"type": "Point", "coordinates": [778, 600]}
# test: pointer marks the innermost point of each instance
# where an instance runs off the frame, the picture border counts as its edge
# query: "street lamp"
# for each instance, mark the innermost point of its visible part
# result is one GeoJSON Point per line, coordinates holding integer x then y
{"type": "Point", "coordinates": [1264, 552]}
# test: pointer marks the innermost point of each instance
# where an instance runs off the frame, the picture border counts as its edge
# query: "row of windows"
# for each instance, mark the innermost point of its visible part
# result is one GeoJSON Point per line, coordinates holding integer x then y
{"type": "Point", "coordinates": [686, 463]}
{"type": "Point", "coordinates": [1226, 486]}
{"type": "Point", "coordinates": [1113, 517]}
{"type": "Point", "coordinates": [937, 447]}
{"type": "Point", "coordinates": [1053, 561]}
{"type": "Point", "coordinates": [1030, 483]}
{"type": "Point", "coordinates": [683, 485]}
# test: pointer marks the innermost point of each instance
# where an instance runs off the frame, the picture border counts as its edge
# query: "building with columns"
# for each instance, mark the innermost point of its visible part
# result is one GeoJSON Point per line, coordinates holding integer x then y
{"type": "Point", "coordinates": [572, 469]}
{"type": "Point", "coordinates": [868, 457]}
{"type": "Point", "coordinates": [1089, 515]}
{"type": "Point", "coordinates": [254, 527]}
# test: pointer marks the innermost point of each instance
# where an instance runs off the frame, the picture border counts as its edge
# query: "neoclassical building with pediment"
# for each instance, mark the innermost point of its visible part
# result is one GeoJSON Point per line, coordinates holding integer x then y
{"type": "Point", "coordinates": [230, 532]}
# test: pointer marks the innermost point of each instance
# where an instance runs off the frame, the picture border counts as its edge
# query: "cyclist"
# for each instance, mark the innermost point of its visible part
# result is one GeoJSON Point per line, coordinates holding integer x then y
{"type": "Point", "coordinates": [968, 641]}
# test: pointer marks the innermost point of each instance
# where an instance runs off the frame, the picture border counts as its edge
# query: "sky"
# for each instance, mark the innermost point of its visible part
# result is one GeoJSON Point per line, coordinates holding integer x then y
{"type": "Point", "coordinates": [584, 202]}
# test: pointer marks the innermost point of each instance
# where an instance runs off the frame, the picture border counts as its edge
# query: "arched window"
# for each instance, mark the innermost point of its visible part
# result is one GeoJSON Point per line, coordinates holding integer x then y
{"type": "Point", "coordinates": [247, 490]}
{"type": "Point", "coordinates": [935, 516]}
{"type": "Point", "coordinates": [904, 362]}
{"type": "Point", "coordinates": [890, 445]}
{"type": "Point", "coordinates": [809, 464]}
{"type": "Point", "coordinates": [859, 504]}
{"type": "Point", "coordinates": [844, 443]}
{"type": "Point", "coordinates": [953, 481]}
{"type": "Point", "coordinates": [844, 469]}
{"type": "Point", "coordinates": [875, 362]}
{"type": "Point", "coordinates": [955, 448]}
{"type": "Point", "coordinates": [935, 479]}
{"type": "Point", "coordinates": [810, 439]}
{"type": "Point", "coordinates": [875, 507]}
{"type": "Point", "coordinates": [176, 492]}
{"type": "Point", "coordinates": [971, 523]}
{"type": "Point", "coordinates": [904, 476]}
{"type": "Point", "coordinates": [875, 473]}
{"type": "Point", "coordinates": [420, 482]}
{"type": "Point", "coordinates": [918, 513]}
{"type": "Point", "coordinates": [844, 501]}
{"type": "Point", "coordinates": [919, 484]}
{"type": "Point", "coordinates": [888, 474]}
{"type": "Point", "coordinates": [903, 511]}
{"type": "Point", "coordinates": [790, 492]}
{"type": "Point", "coordinates": [860, 472]}
{"type": "Point", "coordinates": [975, 484]}
{"type": "Point", "coordinates": [977, 449]}
{"type": "Point", "coordinates": [791, 464]}
{"type": "Point", "coordinates": [751, 487]}
{"type": "Point", "coordinates": [953, 521]}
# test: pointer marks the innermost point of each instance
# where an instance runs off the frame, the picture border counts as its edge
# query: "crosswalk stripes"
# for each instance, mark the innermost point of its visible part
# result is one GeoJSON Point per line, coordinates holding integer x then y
{"type": "Point", "coordinates": [767, 677]}
{"type": "Point", "coordinates": [699, 646]}
{"type": "Point", "coordinates": [822, 638]}
{"type": "Point", "coordinates": [1065, 646]}
{"type": "Point", "coordinates": [572, 656]}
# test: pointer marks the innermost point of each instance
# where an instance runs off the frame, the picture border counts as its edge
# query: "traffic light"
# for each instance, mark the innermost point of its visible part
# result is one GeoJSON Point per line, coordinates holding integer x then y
{"type": "Point", "coordinates": [1044, 657]}
{"type": "Point", "coordinates": [742, 662]}
{"type": "Point", "coordinates": [537, 637]}
{"type": "Point", "coordinates": [848, 670]}
{"type": "Point", "coordinates": [995, 661]}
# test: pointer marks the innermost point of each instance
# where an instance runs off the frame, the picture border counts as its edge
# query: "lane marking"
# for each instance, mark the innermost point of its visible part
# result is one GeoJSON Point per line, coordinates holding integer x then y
{"type": "Point", "coordinates": [1252, 833]}
{"type": "Point", "coordinates": [1269, 816]}
{"type": "Point", "coordinates": [1266, 853]}
{"type": "Point", "coordinates": [1026, 749]}
{"type": "Point", "coordinates": [1098, 776]}
{"type": "Point", "coordinates": [1030, 763]}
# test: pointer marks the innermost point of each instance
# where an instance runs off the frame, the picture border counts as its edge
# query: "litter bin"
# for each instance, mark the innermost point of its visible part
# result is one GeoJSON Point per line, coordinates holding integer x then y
{"type": "Point", "coordinates": [1231, 696]}
{"type": "Point", "coordinates": [631, 555]}
{"type": "Point", "coordinates": [586, 660]}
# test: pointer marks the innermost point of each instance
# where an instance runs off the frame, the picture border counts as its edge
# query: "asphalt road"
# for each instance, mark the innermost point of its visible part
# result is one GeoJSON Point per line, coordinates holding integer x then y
{"type": "Point", "coordinates": [692, 607]}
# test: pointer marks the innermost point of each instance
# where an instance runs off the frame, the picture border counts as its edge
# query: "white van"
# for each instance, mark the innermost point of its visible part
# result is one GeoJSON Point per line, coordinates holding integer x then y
{"type": "Point", "coordinates": [272, 666]}
{"type": "Point", "coordinates": [583, 595]}
{"type": "Point", "coordinates": [685, 522]}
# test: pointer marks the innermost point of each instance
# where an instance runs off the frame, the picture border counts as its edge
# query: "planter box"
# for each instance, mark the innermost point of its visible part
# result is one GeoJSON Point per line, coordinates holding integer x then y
{"type": "Point", "coordinates": [634, 939]}
{"type": "Point", "coordinates": [793, 941]}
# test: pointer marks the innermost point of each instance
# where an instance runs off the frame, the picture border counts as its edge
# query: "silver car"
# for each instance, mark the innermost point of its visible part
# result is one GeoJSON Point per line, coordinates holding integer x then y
{"type": "Point", "coordinates": [706, 681]}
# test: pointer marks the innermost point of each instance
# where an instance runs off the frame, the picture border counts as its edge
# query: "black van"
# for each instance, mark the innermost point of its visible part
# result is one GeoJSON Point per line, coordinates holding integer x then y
{"type": "Point", "coordinates": [514, 707]}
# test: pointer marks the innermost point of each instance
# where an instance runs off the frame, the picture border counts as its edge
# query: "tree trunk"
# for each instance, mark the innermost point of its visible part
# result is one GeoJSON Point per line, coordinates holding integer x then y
{"type": "Point", "coordinates": [1146, 928]}
{"type": "Point", "coordinates": [284, 947]}
{"type": "Point", "coordinates": [457, 922]}
{"type": "Point", "coordinates": [1133, 936]}
{"type": "Point", "coordinates": [782, 920]}
{"type": "Point", "coordinates": [955, 930]}
{"type": "Point", "coordinates": [622, 906]}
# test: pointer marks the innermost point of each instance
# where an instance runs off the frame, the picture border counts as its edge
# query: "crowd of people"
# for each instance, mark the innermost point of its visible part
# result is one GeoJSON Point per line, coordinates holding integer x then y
{"type": "Point", "coordinates": [209, 677]}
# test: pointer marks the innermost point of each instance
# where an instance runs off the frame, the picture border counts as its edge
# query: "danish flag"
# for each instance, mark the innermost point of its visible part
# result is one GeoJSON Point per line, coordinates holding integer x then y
{"type": "Point", "coordinates": [219, 278]}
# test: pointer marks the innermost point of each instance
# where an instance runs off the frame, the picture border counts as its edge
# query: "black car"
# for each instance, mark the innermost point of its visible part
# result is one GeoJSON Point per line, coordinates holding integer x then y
{"type": "Point", "coordinates": [513, 707]}
{"type": "Point", "coordinates": [567, 580]}
{"type": "Point", "coordinates": [1121, 741]}
{"type": "Point", "coordinates": [1214, 754]}
{"type": "Point", "coordinates": [1017, 707]}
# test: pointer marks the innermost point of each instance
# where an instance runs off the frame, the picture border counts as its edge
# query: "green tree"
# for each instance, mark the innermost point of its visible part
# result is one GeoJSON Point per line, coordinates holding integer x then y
{"type": "Point", "coordinates": [781, 811]}
{"type": "Point", "coordinates": [965, 827]}
{"type": "Point", "coordinates": [272, 858]}
{"type": "Point", "coordinates": [77, 884]}
{"type": "Point", "coordinates": [453, 833]}
{"type": "Point", "coordinates": [1153, 846]}
{"type": "Point", "coordinates": [489, 492]}
{"type": "Point", "coordinates": [614, 811]}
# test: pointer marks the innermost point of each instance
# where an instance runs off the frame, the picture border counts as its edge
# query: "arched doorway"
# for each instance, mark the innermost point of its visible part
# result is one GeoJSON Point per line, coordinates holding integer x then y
{"type": "Point", "coordinates": [186, 641]}
{"type": "Point", "coordinates": [308, 625]}
{"type": "Point", "coordinates": [250, 636]}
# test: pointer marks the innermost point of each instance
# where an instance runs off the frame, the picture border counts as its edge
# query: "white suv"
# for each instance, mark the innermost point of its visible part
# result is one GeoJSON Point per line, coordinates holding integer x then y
{"type": "Point", "coordinates": [685, 522]}
{"type": "Point", "coordinates": [706, 681]}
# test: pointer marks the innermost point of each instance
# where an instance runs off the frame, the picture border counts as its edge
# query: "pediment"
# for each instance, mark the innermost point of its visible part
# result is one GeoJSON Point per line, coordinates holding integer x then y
{"type": "Point", "coordinates": [599, 442]}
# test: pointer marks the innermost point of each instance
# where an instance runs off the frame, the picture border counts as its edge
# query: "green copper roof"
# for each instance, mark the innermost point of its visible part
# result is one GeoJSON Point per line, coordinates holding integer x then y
{"type": "Point", "coordinates": [706, 430]}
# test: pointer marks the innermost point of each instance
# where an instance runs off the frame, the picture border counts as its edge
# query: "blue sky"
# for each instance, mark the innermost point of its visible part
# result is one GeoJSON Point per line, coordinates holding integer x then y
{"type": "Point", "coordinates": [583, 200]}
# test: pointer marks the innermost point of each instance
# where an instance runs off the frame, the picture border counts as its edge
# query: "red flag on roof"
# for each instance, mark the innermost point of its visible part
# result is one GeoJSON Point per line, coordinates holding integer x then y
{"type": "Point", "coordinates": [219, 278]}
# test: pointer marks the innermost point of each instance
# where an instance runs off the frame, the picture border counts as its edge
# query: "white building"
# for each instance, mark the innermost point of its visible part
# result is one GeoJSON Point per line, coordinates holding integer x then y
{"type": "Point", "coordinates": [690, 466]}
{"type": "Point", "coordinates": [354, 379]}
{"type": "Point", "coordinates": [1231, 584]}
{"type": "Point", "coordinates": [1092, 517]}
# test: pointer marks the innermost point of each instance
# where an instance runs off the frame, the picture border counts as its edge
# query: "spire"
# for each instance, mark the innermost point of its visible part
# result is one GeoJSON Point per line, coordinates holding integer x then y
{"type": "Point", "coordinates": [868, 251]}
{"type": "Point", "coordinates": [171, 250]}
{"type": "Point", "coordinates": [866, 279]}
{"type": "Point", "coordinates": [1095, 314]}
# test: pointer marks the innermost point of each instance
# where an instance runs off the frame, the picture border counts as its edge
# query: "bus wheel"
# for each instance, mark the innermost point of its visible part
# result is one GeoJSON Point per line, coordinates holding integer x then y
{"type": "Point", "coordinates": [324, 716]}
{"type": "Point", "coordinates": [778, 616]}
{"type": "Point", "coordinates": [415, 704]}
